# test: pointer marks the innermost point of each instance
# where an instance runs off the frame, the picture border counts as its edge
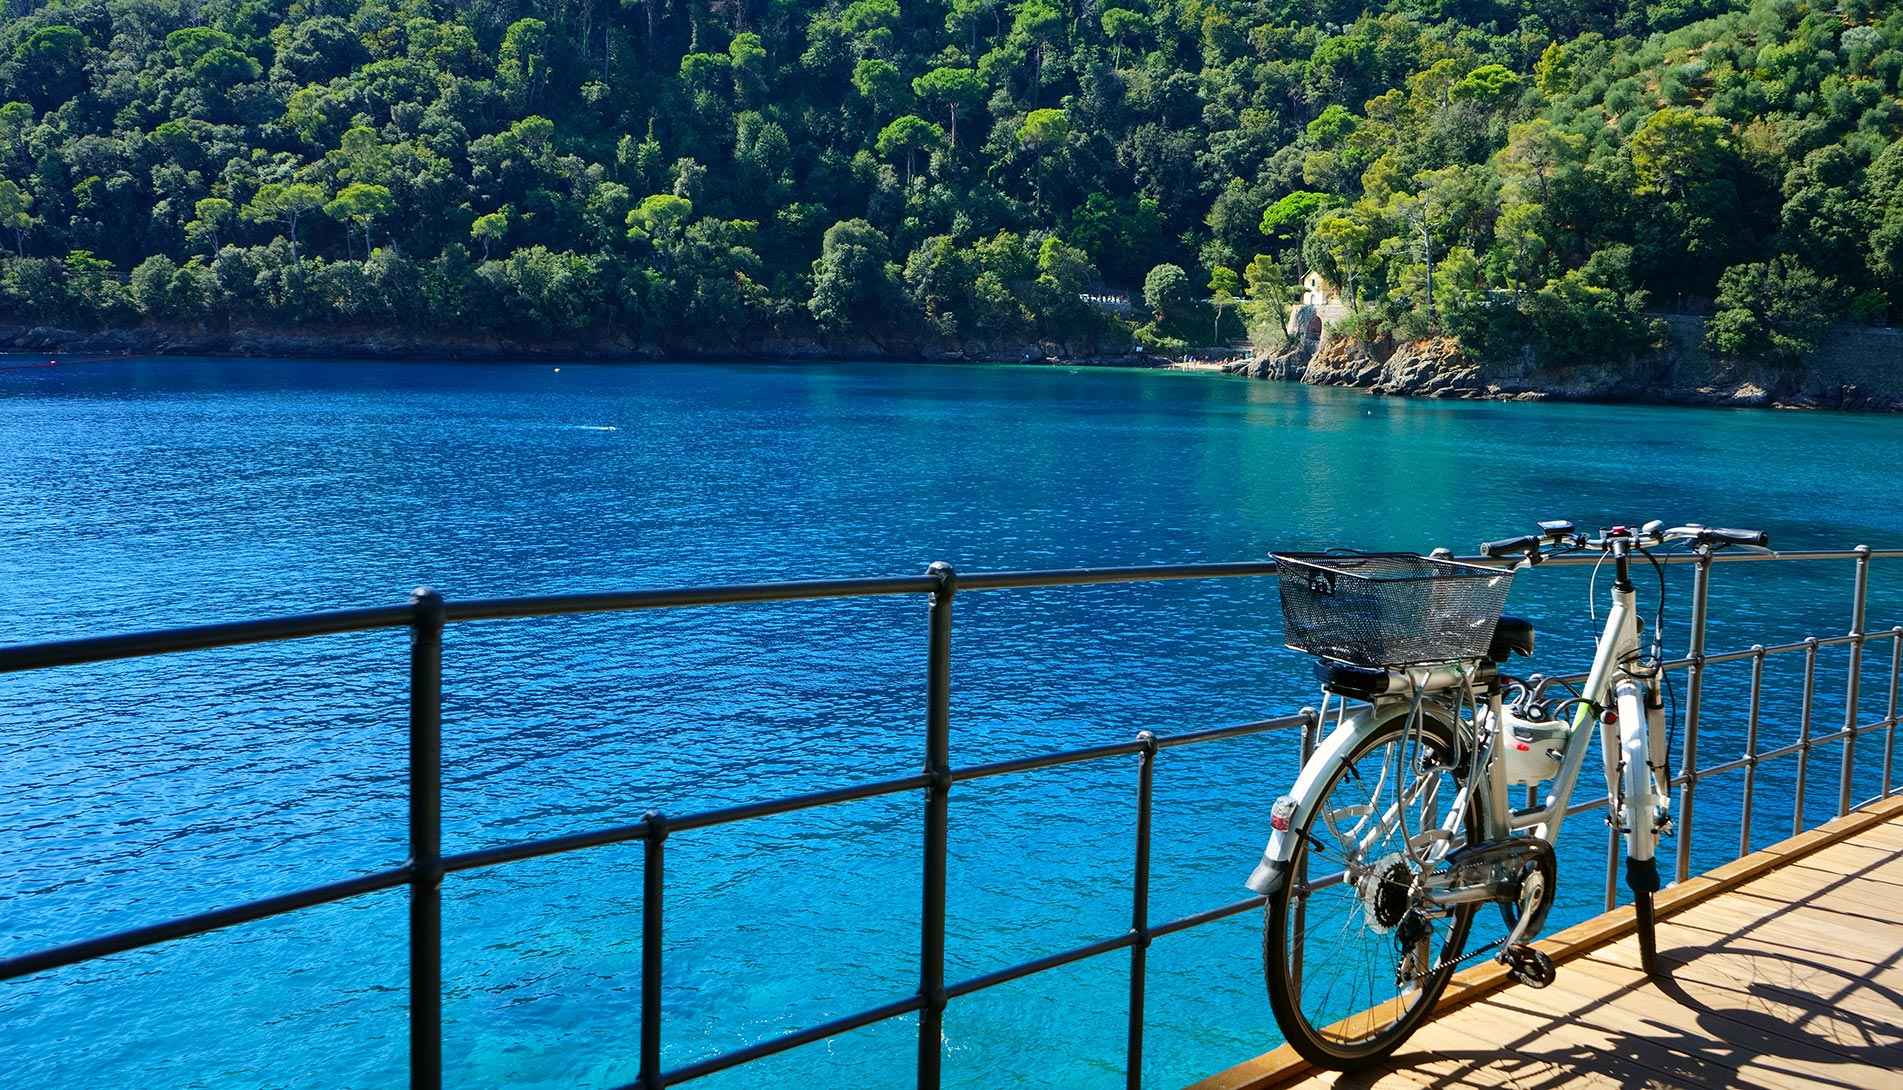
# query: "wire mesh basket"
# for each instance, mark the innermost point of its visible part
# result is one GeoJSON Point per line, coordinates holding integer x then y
{"type": "Point", "coordinates": [1389, 609]}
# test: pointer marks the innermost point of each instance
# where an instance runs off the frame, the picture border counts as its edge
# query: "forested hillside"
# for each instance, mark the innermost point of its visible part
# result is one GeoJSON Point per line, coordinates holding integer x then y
{"type": "Point", "coordinates": [717, 175]}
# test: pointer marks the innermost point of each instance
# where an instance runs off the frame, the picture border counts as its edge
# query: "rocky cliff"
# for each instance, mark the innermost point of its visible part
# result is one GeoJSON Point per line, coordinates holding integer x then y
{"type": "Point", "coordinates": [1855, 368]}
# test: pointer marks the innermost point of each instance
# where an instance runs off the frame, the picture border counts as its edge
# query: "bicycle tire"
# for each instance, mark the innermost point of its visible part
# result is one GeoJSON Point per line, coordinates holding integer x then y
{"type": "Point", "coordinates": [1648, 933]}
{"type": "Point", "coordinates": [1329, 997]}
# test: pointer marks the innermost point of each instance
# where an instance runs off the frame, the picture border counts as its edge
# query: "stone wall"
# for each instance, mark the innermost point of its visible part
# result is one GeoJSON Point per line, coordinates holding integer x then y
{"type": "Point", "coordinates": [1856, 367]}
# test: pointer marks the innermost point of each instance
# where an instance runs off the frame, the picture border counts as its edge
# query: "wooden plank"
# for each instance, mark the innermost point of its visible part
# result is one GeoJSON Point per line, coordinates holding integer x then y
{"type": "Point", "coordinates": [1631, 1053]}
{"type": "Point", "coordinates": [1881, 836]}
{"type": "Point", "coordinates": [1848, 856]}
{"type": "Point", "coordinates": [1645, 1024]}
{"type": "Point", "coordinates": [1851, 896]}
{"type": "Point", "coordinates": [1876, 879]}
{"type": "Point", "coordinates": [1800, 986]}
{"type": "Point", "coordinates": [1791, 1022]}
{"type": "Point", "coordinates": [1604, 1026]}
{"type": "Point", "coordinates": [1830, 921]}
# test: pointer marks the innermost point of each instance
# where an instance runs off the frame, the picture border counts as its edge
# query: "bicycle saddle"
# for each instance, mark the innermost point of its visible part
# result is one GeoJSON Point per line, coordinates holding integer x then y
{"type": "Point", "coordinates": [1510, 635]}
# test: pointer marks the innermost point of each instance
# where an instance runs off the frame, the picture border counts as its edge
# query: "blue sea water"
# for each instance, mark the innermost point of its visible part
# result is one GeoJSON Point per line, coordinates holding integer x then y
{"type": "Point", "coordinates": [140, 494]}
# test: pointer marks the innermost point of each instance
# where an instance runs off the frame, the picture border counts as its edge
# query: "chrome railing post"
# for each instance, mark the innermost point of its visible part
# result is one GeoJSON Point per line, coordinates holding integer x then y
{"type": "Point", "coordinates": [1694, 702]}
{"type": "Point", "coordinates": [1852, 688]}
{"type": "Point", "coordinates": [1803, 733]}
{"type": "Point", "coordinates": [1889, 737]}
{"type": "Point", "coordinates": [1751, 750]}
{"type": "Point", "coordinates": [931, 1017]}
{"type": "Point", "coordinates": [1140, 912]}
{"type": "Point", "coordinates": [426, 839]}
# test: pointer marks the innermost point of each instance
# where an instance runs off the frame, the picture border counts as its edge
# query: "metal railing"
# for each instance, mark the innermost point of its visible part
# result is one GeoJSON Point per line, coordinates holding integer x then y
{"type": "Point", "coordinates": [427, 614]}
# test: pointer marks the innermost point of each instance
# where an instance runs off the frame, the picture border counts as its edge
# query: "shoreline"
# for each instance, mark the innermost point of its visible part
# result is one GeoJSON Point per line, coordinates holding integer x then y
{"type": "Point", "coordinates": [1867, 376]}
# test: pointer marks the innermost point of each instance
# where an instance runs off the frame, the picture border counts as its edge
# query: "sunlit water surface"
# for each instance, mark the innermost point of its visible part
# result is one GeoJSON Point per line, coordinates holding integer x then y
{"type": "Point", "coordinates": [145, 494]}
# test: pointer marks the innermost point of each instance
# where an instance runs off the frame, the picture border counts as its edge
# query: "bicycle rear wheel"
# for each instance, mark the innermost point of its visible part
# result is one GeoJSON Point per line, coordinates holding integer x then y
{"type": "Point", "coordinates": [1353, 966]}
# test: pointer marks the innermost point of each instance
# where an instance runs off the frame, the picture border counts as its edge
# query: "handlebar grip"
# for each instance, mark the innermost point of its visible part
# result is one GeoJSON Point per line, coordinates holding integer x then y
{"type": "Point", "coordinates": [1735, 537]}
{"type": "Point", "coordinates": [1525, 543]}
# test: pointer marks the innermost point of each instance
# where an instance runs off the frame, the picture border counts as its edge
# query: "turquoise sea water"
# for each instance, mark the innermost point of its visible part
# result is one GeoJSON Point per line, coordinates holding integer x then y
{"type": "Point", "coordinates": [143, 494]}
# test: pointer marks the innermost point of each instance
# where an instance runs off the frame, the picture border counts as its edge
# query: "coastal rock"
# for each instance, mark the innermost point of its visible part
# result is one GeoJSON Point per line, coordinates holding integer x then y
{"type": "Point", "coordinates": [1435, 367]}
{"type": "Point", "coordinates": [1285, 364]}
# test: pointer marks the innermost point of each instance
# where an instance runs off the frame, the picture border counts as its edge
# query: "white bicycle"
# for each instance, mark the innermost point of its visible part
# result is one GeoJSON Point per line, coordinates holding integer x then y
{"type": "Point", "coordinates": [1399, 828]}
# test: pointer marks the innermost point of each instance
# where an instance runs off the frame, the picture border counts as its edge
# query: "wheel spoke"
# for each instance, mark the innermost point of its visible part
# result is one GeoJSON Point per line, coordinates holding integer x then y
{"type": "Point", "coordinates": [1392, 808]}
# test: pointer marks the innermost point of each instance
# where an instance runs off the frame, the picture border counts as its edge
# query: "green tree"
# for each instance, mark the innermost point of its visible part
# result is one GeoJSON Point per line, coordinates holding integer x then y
{"type": "Point", "coordinates": [490, 228]}
{"type": "Point", "coordinates": [1043, 129]}
{"type": "Point", "coordinates": [880, 84]}
{"type": "Point", "coordinates": [360, 205]}
{"type": "Point", "coordinates": [522, 62]}
{"type": "Point", "coordinates": [1771, 311]}
{"type": "Point", "coordinates": [1124, 28]}
{"type": "Point", "coordinates": [15, 205]}
{"type": "Point", "coordinates": [659, 220]}
{"type": "Point", "coordinates": [908, 136]}
{"type": "Point", "coordinates": [52, 64]}
{"type": "Point", "coordinates": [951, 90]}
{"type": "Point", "coordinates": [1223, 286]}
{"type": "Point", "coordinates": [1290, 216]}
{"type": "Point", "coordinates": [214, 215]}
{"type": "Point", "coordinates": [1268, 296]}
{"type": "Point", "coordinates": [1676, 147]}
{"type": "Point", "coordinates": [749, 61]}
{"type": "Point", "coordinates": [851, 278]}
{"type": "Point", "coordinates": [285, 203]}
{"type": "Point", "coordinates": [1166, 291]}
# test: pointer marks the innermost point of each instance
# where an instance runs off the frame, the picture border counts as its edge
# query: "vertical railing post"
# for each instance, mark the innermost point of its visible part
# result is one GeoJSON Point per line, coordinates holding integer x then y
{"type": "Point", "coordinates": [1312, 721]}
{"type": "Point", "coordinates": [426, 839]}
{"type": "Point", "coordinates": [1140, 912]}
{"type": "Point", "coordinates": [1694, 701]}
{"type": "Point", "coordinates": [1751, 751]}
{"type": "Point", "coordinates": [931, 1018]}
{"type": "Point", "coordinates": [1852, 689]}
{"type": "Point", "coordinates": [1889, 736]}
{"type": "Point", "coordinates": [653, 883]}
{"type": "Point", "coordinates": [1803, 733]}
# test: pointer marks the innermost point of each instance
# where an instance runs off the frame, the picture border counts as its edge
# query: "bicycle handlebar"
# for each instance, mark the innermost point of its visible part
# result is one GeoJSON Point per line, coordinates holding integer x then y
{"type": "Point", "coordinates": [1719, 535]}
{"type": "Point", "coordinates": [1561, 537]}
{"type": "Point", "coordinates": [1525, 543]}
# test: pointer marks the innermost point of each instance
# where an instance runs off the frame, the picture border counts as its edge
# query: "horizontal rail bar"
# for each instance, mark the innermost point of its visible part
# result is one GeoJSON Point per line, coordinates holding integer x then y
{"type": "Point", "coordinates": [789, 1041]}
{"type": "Point", "coordinates": [535, 849]}
{"type": "Point", "coordinates": [132, 645]}
{"type": "Point", "coordinates": [1197, 919]}
{"type": "Point", "coordinates": [772, 807]}
{"type": "Point", "coordinates": [1586, 559]}
{"type": "Point", "coordinates": [1074, 577]}
{"type": "Point", "coordinates": [1044, 760]}
{"type": "Point", "coordinates": [1239, 730]}
{"type": "Point", "coordinates": [1038, 965]}
{"type": "Point", "coordinates": [795, 590]}
{"type": "Point", "coordinates": [204, 637]}
{"type": "Point", "coordinates": [152, 934]}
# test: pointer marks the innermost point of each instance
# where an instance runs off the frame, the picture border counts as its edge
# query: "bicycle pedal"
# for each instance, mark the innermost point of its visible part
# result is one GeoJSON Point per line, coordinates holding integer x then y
{"type": "Point", "coordinates": [1529, 966]}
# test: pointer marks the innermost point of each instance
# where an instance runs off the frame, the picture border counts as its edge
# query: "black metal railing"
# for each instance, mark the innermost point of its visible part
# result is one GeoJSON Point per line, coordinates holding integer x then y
{"type": "Point", "coordinates": [427, 614]}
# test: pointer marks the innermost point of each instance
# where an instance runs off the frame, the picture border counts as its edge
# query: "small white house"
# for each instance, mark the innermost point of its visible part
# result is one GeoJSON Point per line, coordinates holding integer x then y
{"type": "Point", "coordinates": [1318, 292]}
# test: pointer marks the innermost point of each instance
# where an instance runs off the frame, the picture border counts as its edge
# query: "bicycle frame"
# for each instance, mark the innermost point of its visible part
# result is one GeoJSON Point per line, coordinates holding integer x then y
{"type": "Point", "coordinates": [1628, 739]}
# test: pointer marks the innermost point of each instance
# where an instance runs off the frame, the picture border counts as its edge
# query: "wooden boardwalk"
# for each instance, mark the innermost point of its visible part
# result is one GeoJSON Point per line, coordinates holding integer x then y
{"type": "Point", "coordinates": [1785, 973]}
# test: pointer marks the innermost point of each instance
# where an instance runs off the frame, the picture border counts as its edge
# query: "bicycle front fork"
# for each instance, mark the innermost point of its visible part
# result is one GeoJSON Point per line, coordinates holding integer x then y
{"type": "Point", "coordinates": [1645, 786]}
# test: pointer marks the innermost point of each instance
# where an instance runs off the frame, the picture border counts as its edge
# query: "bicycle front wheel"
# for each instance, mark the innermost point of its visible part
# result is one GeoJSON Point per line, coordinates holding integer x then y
{"type": "Point", "coordinates": [1353, 962]}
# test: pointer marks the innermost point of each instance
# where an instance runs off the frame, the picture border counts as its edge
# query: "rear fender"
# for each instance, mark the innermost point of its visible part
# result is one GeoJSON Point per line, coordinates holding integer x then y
{"type": "Point", "coordinates": [1300, 802]}
{"type": "Point", "coordinates": [1291, 810]}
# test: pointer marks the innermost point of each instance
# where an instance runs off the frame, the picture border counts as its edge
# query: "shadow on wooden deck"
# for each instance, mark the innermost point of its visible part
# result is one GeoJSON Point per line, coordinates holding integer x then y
{"type": "Point", "coordinates": [1783, 971]}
